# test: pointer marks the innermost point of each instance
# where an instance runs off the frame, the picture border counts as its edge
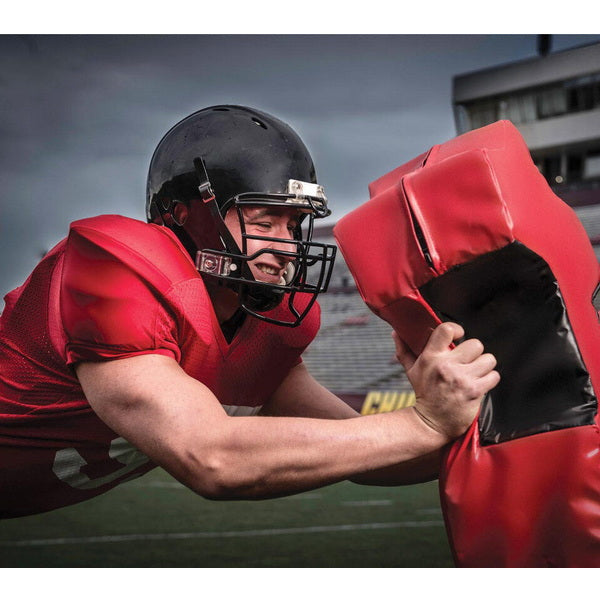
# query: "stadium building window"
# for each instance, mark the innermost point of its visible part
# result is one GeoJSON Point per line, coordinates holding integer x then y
{"type": "Point", "coordinates": [591, 168]}
{"type": "Point", "coordinates": [482, 113]}
{"type": "Point", "coordinates": [570, 167]}
{"type": "Point", "coordinates": [583, 93]}
{"type": "Point", "coordinates": [551, 103]}
{"type": "Point", "coordinates": [520, 108]}
{"type": "Point", "coordinates": [574, 167]}
{"type": "Point", "coordinates": [572, 96]}
{"type": "Point", "coordinates": [551, 168]}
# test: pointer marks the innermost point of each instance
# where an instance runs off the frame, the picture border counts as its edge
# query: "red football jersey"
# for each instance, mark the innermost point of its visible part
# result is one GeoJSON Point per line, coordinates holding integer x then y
{"type": "Point", "coordinates": [115, 288]}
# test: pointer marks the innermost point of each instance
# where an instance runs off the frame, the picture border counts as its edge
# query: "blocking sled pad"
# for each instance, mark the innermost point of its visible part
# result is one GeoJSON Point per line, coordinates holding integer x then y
{"type": "Point", "coordinates": [470, 232]}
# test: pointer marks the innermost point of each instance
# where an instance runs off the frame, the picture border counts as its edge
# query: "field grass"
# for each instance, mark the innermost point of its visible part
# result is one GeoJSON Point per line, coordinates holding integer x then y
{"type": "Point", "coordinates": [155, 522]}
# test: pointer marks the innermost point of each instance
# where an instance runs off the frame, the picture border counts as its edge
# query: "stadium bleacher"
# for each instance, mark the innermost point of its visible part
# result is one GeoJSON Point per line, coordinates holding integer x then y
{"type": "Point", "coordinates": [354, 352]}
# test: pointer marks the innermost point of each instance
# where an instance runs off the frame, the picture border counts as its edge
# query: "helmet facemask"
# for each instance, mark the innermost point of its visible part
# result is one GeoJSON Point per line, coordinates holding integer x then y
{"type": "Point", "coordinates": [309, 264]}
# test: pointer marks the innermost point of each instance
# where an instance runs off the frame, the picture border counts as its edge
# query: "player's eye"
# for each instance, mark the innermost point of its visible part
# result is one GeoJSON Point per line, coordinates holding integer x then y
{"type": "Point", "coordinates": [262, 224]}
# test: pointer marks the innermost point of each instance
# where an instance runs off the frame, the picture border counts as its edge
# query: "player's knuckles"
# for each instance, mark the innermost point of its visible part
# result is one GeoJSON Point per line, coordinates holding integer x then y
{"type": "Point", "coordinates": [440, 338]}
{"type": "Point", "coordinates": [471, 389]}
{"type": "Point", "coordinates": [462, 384]}
{"type": "Point", "coordinates": [446, 371]}
{"type": "Point", "coordinates": [474, 345]}
{"type": "Point", "coordinates": [488, 360]}
{"type": "Point", "coordinates": [482, 364]}
{"type": "Point", "coordinates": [448, 331]}
{"type": "Point", "coordinates": [469, 349]}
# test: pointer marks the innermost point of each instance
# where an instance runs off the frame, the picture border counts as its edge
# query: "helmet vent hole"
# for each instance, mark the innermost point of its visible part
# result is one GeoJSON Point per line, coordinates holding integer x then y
{"type": "Point", "coordinates": [259, 122]}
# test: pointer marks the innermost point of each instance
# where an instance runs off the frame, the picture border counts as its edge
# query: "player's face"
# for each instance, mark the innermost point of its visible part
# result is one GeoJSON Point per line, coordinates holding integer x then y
{"type": "Point", "coordinates": [271, 222]}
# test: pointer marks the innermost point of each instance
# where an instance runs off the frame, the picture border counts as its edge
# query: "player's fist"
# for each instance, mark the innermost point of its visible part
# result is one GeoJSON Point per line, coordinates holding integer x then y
{"type": "Point", "coordinates": [449, 383]}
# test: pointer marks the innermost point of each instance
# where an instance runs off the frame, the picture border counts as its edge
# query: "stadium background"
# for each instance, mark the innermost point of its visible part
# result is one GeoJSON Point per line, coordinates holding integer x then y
{"type": "Point", "coordinates": [154, 521]}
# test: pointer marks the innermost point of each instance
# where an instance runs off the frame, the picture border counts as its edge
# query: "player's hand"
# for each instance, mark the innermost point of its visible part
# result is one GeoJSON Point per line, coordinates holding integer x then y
{"type": "Point", "coordinates": [449, 383]}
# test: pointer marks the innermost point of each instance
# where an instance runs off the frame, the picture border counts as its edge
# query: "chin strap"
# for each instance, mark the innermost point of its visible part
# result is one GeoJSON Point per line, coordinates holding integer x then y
{"type": "Point", "coordinates": [208, 197]}
{"type": "Point", "coordinates": [206, 191]}
{"type": "Point", "coordinates": [241, 269]}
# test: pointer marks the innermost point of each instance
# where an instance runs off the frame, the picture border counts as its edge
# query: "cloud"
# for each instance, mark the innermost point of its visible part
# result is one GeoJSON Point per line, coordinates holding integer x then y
{"type": "Point", "coordinates": [81, 115]}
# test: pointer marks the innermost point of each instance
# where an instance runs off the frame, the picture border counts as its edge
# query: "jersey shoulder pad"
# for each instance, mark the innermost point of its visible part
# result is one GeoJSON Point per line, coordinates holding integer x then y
{"type": "Point", "coordinates": [116, 278]}
{"type": "Point", "coordinates": [152, 251]}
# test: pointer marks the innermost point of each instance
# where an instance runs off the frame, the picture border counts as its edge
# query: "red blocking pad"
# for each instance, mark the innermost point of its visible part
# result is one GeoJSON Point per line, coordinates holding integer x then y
{"type": "Point", "coordinates": [470, 232]}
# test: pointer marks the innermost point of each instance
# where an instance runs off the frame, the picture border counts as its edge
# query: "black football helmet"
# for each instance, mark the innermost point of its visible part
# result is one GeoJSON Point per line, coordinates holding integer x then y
{"type": "Point", "coordinates": [228, 157]}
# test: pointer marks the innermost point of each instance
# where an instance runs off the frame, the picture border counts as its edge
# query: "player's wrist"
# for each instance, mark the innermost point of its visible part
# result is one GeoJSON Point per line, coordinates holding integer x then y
{"type": "Point", "coordinates": [429, 428]}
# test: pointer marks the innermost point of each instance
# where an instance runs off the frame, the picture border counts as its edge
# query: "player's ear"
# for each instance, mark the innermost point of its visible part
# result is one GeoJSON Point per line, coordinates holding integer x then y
{"type": "Point", "coordinates": [180, 213]}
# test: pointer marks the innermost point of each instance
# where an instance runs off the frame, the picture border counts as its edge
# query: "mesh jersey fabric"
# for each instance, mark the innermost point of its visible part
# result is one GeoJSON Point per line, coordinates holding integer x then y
{"type": "Point", "coordinates": [114, 288]}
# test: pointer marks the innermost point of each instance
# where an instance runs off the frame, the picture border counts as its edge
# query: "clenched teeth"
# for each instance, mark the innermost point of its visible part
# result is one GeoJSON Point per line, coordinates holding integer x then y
{"type": "Point", "coordinates": [268, 270]}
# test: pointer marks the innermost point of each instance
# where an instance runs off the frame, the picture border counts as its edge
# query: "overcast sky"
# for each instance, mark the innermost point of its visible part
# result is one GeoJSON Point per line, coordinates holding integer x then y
{"type": "Point", "coordinates": [80, 115]}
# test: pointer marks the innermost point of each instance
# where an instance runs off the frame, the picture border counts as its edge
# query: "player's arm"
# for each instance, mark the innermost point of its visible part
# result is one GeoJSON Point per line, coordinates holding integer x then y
{"type": "Point", "coordinates": [301, 395]}
{"type": "Point", "coordinates": [178, 423]}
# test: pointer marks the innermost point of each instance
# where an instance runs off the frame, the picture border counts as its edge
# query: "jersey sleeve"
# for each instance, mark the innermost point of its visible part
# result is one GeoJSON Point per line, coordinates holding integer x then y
{"type": "Point", "coordinates": [113, 298]}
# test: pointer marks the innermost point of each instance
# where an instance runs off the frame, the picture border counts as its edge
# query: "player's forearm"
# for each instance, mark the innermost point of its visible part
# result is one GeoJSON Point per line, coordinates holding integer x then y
{"type": "Point", "coordinates": [418, 470]}
{"type": "Point", "coordinates": [268, 457]}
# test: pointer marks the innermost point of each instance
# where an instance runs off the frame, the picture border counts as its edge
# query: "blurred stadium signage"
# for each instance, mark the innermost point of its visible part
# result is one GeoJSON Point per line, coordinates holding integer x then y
{"type": "Point", "coordinates": [379, 402]}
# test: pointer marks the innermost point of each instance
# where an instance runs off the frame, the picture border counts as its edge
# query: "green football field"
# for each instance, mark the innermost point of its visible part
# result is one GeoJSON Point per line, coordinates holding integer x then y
{"type": "Point", "coordinates": [154, 521]}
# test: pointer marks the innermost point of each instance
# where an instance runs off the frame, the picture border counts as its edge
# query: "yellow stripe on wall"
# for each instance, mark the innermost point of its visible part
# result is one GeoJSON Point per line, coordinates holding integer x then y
{"type": "Point", "coordinates": [379, 402]}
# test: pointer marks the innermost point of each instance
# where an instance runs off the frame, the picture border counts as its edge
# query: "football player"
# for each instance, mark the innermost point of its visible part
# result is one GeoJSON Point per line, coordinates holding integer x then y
{"type": "Point", "coordinates": [178, 342]}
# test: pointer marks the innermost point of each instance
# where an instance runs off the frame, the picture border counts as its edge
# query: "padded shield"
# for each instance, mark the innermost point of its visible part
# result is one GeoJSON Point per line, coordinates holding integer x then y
{"type": "Point", "coordinates": [470, 232]}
